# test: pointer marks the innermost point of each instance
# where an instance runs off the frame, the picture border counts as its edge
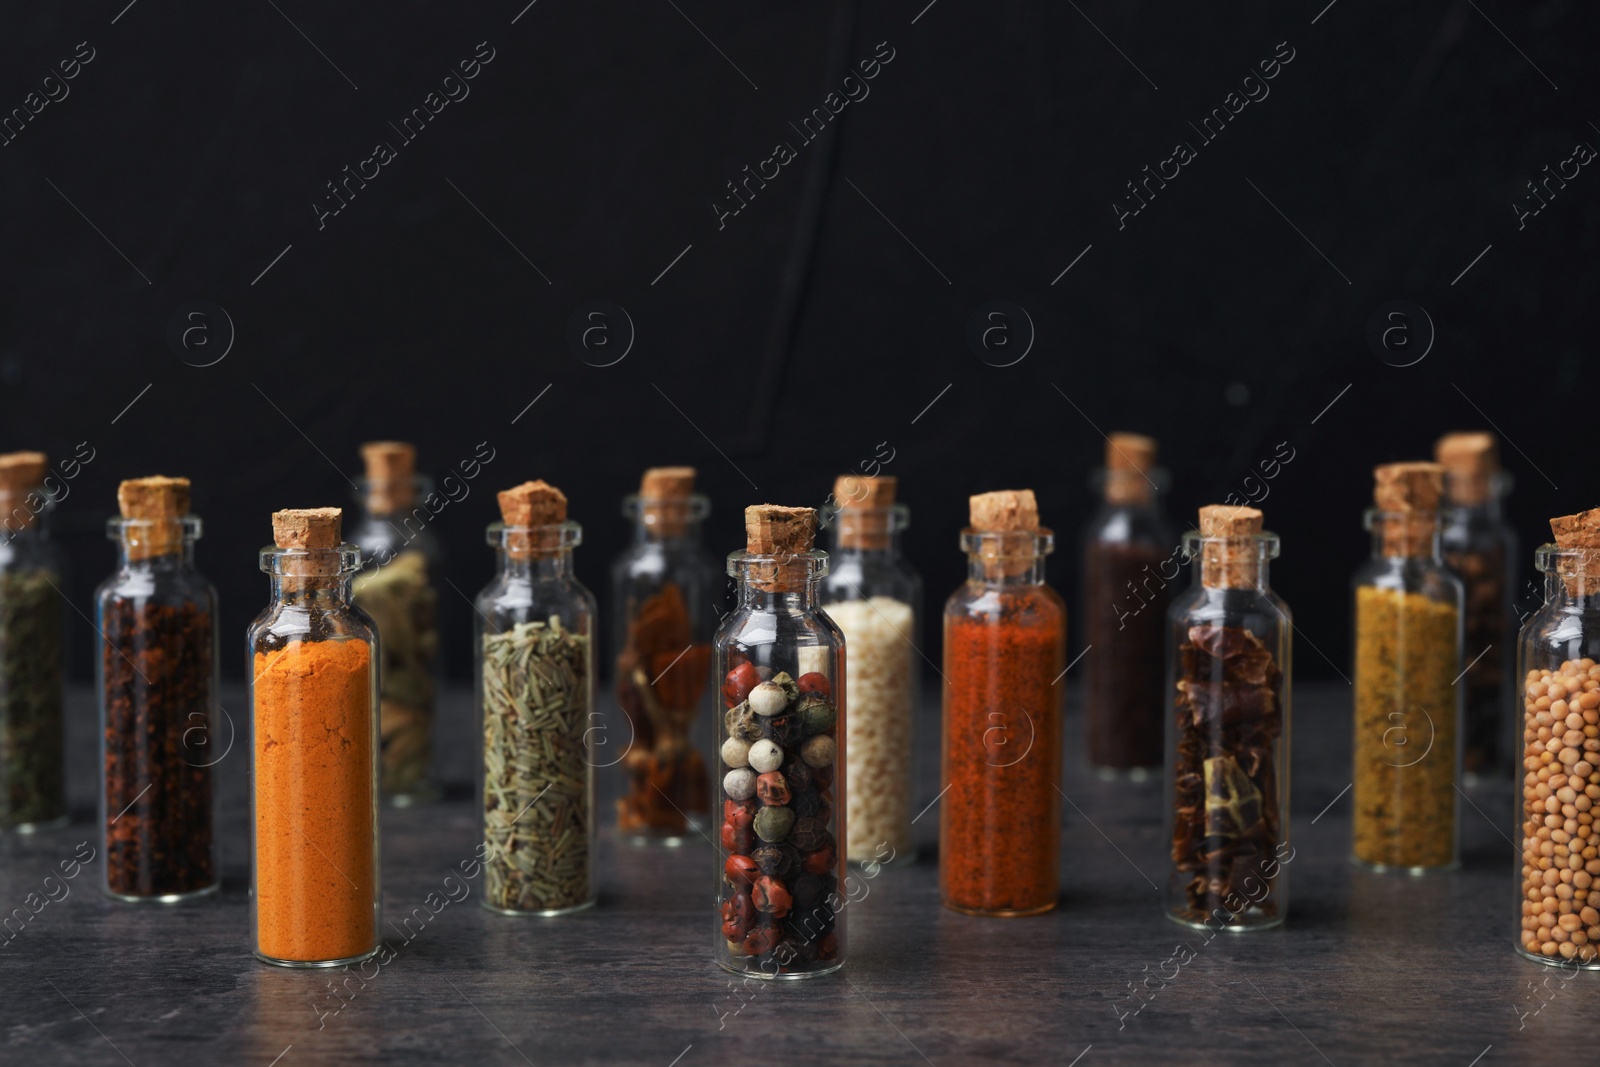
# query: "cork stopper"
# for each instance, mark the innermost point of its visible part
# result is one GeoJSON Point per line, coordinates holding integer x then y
{"type": "Point", "coordinates": [153, 508]}
{"type": "Point", "coordinates": [391, 475]}
{"type": "Point", "coordinates": [864, 503]}
{"type": "Point", "coordinates": [528, 510]}
{"type": "Point", "coordinates": [664, 494]}
{"type": "Point", "coordinates": [784, 533]}
{"type": "Point", "coordinates": [1470, 461]}
{"type": "Point", "coordinates": [1408, 495]}
{"type": "Point", "coordinates": [1006, 512]}
{"type": "Point", "coordinates": [21, 473]}
{"type": "Point", "coordinates": [1129, 457]}
{"type": "Point", "coordinates": [1579, 534]}
{"type": "Point", "coordinates": [1229, 555]}
{"type": "Point", "coordinates": [317, 531]}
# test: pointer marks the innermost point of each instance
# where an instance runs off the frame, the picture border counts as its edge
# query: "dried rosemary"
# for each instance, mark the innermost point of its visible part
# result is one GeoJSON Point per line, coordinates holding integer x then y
{"type": "Point", "coordinates": [536, 805]}
{"type": "Point", "coordinates": [32, 790]}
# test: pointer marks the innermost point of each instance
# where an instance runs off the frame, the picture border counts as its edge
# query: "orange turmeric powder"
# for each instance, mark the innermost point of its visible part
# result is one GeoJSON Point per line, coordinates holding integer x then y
{"type": "Point", "coordinates": [315, 818]}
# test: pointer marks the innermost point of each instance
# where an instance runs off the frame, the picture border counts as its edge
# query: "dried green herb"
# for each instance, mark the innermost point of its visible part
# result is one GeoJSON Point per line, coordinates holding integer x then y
{"type": "Point", "coordinates": [400, 600]}
{"type": "Point", "coordinates": [536, 772]}
{"type": "Point", "coordinates": [32, 788]}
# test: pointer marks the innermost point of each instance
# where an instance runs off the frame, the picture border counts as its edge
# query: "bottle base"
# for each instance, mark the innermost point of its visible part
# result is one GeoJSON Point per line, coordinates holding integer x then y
{"type": "Point", "coordinates": [1560, 961]}
{"type": "Point", "coordinates": [313, 964]}
{"type": "Point", "coordinates": [1233, 927]}
{"type": "Point", "coordinates": [162, 898]}
{"type": "Point", "coordinates": [696, 832]}
{"type": "Point", "coordinates": [1395, 868]}
{"type": "Point", "coordinates": [544, 913]}
{"type": "Point", "coordinates": [780, 976]}
{"type": "Point", "coordinates": [37, 827]}
{"type": "Point", "coordinates": [1001, 913]}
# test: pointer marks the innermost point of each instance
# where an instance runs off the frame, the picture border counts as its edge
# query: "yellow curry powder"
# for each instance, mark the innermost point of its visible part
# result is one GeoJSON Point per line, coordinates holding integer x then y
{"type": "Point", "coordinates": [314, 809]}
{"type": "Point", "coordinates": [1405, 729]}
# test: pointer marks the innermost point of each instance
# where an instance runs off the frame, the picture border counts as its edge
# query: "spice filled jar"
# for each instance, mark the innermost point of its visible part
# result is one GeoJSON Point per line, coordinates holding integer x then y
{"type": "Point", "coordinates": [1558, 654]}
{"type": "Point", "coordinates": [1407, 657]}
{"type": "Point", "coordinates": [781, 872]}
{"type": "Point", "coordinates": [1005, 635]}
{"type": "Point", "coordinates": [662, 587]}
{"type": "Point", "coordinates": [33, 792]}
{"type": "Point", "coordinates": [875, 597]}
{"type": "Point", "coordinates": [160, 733]}
{"type": "Point", "coordinates": [535, 701]}
{"type": "Point", "coordinates": [1228, 655]}
{"type": "Point", "coordinates": [1128, 564]}
{"type": "Point", "coordinates": [314, 765]}
{"type": "Point", "coordinates": [397, 587]}
{"type": "Point", "coordinates": [1481, 549]}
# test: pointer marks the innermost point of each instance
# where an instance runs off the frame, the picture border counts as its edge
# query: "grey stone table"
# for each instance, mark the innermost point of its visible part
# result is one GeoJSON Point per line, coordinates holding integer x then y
{"type": "Point", "coordinates": [1368, 969]}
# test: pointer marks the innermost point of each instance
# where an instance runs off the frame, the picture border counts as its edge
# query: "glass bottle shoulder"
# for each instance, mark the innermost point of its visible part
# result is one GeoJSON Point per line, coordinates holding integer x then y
{"type": "Point", "coordinates": [317, 619]}
{"type": "Point", "coordinates": [512, 598]}
{"type": "Point", "coordinates": [1125, 524]}
{"type": "Point", "coordinates": [1261, 610]}
{"type": "Point", "coordinates": [1424, 575]}
{"type": "Point", "coordinates": [863, 575]}
{"type": "Point", "coordinates": [1024, 605]}
{"type": "Point", "coordinates": [381, 538]}
{"type": "Point", "coordinates": [163, 582]}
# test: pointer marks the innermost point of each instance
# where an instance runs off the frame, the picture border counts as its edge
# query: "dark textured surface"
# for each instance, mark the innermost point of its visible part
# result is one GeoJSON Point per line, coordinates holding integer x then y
{"type": "Point", "coordinates": [1368, 970]}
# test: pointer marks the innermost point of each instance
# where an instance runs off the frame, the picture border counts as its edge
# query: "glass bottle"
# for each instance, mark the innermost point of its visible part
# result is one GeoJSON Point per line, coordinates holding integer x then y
{"type": "Point", "coordinates": [872, 593]}
{"type": "Point", "coordinates": [160, 731]}
{"type": "Point", "coordinates": [1481, 548]}
{"type": "Point", "coordinates": [33, 792]}
{"type": "Point", "coordinates": [1128, 564]}
{"type": "Point", "coordinates": [1407, 745]}
{"type": "Point", "coordinates": [535, 700]}
{"type": "Point", "coordinates": [315, 891]}
{"type": "Point", "coordinates": [398, 588]}
{"type": "Point", "coordinates": [782, 882]}
{"type": "Point", "coordinates": [1005, 636]}
{"type": "Point", "coordinates": [1229, 652]}
{"type": "Point", "coordinates": [662, 588]}
{"type": "Point", "coordinates": [1558, 653]}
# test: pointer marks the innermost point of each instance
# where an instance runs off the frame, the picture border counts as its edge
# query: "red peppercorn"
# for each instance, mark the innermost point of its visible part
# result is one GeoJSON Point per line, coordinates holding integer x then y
{"type": "Point", "coordinates": [822, 860]}
{"type": "Point", "coordinates": [814, 683]}
{"type": "Point", "coordinates": [761, 940]}
{"type": "Point", "coordinates": [736, 838]}
{"type": "Point", "coordinates": [773, 789]}
{"type": "Point", "coordinates": [737, 915]}
{"type": "Point", "coordinates": [731, 808]}
{"type": "Point", "coordinates": [829, 948]}
{"type": "Point", "coordinates": [739, 682]}
{"type": "Point", "coordinates": [741, 870]}
{"type": "Point", "coordinates": [771, 897]}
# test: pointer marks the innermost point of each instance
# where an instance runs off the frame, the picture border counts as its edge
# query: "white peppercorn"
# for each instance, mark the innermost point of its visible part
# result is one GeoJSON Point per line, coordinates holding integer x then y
{"type": "Point", "coordinates": [736, 752]}
{"type": "Point", "coordinates": [818, 751]}
{"type": "Point", "coordinates": [740, 783]}
{"type": "Point", "coordinates": [767, 699]}
{"type": "Point", "coordinates": [765, 756]}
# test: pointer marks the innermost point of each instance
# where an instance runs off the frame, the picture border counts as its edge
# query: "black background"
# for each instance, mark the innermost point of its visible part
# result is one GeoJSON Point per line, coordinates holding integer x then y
{"type": "Point", "coordinates": [784, 347]}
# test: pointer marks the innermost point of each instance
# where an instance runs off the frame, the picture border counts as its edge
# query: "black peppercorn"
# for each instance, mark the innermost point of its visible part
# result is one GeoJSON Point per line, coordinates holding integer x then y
{"type": "Point", "coordinates": [810, 834]}
{"type": "Point", "coordinates": [783, 729]}
{"type": "Point", "coordinates": [779, 861]}
{"type": "Point", "coordinates": [806, 804]}
{"type": "Point", "coordinates": [798, 773]}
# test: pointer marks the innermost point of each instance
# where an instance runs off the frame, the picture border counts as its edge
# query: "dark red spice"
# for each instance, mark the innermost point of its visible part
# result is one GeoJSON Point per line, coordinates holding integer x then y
{"type": "Point", "coordinates": [1125, 613]}
{"type": "Point", "coordinates": [156, 666]}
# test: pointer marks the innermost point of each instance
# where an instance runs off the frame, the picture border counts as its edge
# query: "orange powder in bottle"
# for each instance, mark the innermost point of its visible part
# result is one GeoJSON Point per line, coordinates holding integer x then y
{"type": "Point", "coordinates": [315, 817]}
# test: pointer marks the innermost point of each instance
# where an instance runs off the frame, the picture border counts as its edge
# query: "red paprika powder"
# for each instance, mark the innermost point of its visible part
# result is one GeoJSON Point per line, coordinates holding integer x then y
{"type": "Point", "coordinates": [1004, 652]}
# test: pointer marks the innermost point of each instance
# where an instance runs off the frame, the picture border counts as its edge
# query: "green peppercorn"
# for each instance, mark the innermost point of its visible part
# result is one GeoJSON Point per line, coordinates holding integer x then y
{"type": "Point", "coordinates": [773, 824]}
{"type": "Point", "coordinates": [816, 713]}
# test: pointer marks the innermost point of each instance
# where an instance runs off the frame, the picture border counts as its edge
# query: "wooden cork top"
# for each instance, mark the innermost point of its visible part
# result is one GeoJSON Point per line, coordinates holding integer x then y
{"type": "Point", "coordinates": [1230, 557]}
{"type": "Point", "coordinates": [782, 532]}
{"type": "Point", "coordinates": [21, 473]}
{"type": "Point", "coordinates": [864, 502]}
{"type": "Point", "coordinates": [528, 508]}
{"type": "Point", "coordinates": [391, 475]}
{"type": "Point", "coordinates": [153, 507]}
{"type": "Point", "coordinates": [1470, 461]}
{"type": "Point", "coordinates": [664, 494]}
{"type": "Point", "coordinates": [1409, 495]}
{"type": "Point", "coordinates": [1129, 458]}
{"type": "Point", "coordinates": [308, 528]}
{"type": "Point", "coordinates": [1007, 511]}
{"type": "Point", "coordinates": [1579, 534]}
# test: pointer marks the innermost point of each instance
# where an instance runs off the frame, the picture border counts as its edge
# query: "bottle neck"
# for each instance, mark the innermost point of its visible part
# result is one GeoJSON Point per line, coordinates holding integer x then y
{"type": "Point", "coordinates": [1005, 571]}
{"type": "Point", "coordinates": [803, 597]}
{"type": "Point", "coordinates": [134, 556]}
{"type": "Point", "coordinates": [544, 566]}
{"type": "Point", "coordinates": [667, 535]}
{"type": "Point", "coordinates": [328, 591]}
{"type": "Point", "coordinates": [1413, 542]}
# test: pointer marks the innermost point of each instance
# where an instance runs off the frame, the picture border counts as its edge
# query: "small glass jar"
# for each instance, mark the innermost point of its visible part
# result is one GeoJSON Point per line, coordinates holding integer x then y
{"type": "Point", "coordinates": [781, 875]}
{"type": "Point", "coordinates": [875, 597]}
{"type": "Point", "coordinates": [1005, 650]}
{"type": "Point", "coordinates": [398, 588]}
{"type": "Point", "coordinates": [1129, 563]}
{"type": "Point", "coordinates": [1229, 651]}
{"type": "Point", "coordinates": [160, 731]}
{"type": "Point", "coordinates": [1480, 547]}
{"type": "Point", "coordinates": [1407, 744]}
{"type": "Point", "coordinates": [315, 889]}
{"type": "Point", "coordinates": [534, 637]}
{"type": "Point", "coordinates": [33, 793]}
{"type": "Point", "coordinates": [1558, 662]}
{"type": "Point", "coordinates": [662, 587]}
